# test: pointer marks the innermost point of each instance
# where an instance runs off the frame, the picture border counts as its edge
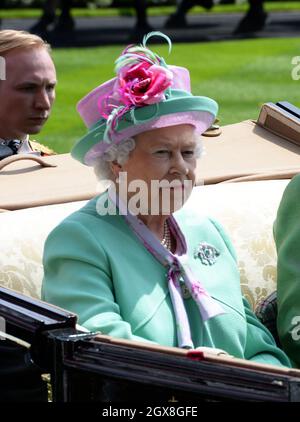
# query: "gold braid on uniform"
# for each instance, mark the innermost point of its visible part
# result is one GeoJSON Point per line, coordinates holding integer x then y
{"type": "Point", "coordinates": [37, 147]}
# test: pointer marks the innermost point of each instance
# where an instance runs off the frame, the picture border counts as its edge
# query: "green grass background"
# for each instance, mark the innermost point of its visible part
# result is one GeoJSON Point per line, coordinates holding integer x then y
{"type": "Point", "coordinates": [239, 75]}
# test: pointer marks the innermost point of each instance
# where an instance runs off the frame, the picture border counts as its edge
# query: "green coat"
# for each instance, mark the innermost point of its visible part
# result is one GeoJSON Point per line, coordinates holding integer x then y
{"type": "Point", "coordinates": [287, 238]}
{"type": "Point", "coordinates": [96, 267]}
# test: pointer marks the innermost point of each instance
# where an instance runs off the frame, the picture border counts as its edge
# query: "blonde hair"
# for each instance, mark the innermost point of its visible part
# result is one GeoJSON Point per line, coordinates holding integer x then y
{"type": "Point", "coordinates": [11, 39]}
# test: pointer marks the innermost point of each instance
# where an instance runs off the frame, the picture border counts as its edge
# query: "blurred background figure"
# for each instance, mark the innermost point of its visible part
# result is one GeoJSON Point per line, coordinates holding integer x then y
{"type": "Point", "coordinates": [64, 22]}
{"type": "Point", "coordinates": [178, 19]}
{"type": "Point", "coordinates": [255, 18]}
{"type": "Point", "coordinates": [141, 24]}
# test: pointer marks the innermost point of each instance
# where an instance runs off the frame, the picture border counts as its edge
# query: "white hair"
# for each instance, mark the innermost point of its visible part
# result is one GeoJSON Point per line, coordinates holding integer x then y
{"type": "Point", "coordinates": [120, 153]}
{"type": "Point", "coordinates": [116, 153]}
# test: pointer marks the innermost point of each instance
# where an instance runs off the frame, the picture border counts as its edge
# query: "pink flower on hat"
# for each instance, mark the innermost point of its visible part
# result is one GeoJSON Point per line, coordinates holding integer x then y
{"type": "Point", "coordinates": [143, 83]}
{"type": "Point", "coordinates": [142, 79]}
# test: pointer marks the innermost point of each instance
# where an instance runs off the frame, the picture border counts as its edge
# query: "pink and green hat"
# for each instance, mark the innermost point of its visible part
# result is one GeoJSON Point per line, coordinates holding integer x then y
{"type": "Point", "coordinates": [146, 94]}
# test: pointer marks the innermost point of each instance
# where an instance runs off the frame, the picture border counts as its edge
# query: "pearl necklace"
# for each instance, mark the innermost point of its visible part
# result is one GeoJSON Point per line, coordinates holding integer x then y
{"type": "Point", "coordinates": [167, 242]}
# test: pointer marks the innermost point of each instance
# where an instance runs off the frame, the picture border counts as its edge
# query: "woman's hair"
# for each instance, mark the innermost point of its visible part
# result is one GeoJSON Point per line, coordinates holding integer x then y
{"type": "Point", "coordinates": [120, 153]}
{"type": "Point", "coordinates": [11, 39]}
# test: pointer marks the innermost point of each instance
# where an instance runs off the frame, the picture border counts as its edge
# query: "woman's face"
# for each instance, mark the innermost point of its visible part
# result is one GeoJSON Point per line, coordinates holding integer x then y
{"type": "Point", "coordinates": [160, 171]}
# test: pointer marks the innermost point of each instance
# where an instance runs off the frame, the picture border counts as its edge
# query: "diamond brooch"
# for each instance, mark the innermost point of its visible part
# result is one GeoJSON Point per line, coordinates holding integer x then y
{"type": "Point", "coordinates": [207, 253]}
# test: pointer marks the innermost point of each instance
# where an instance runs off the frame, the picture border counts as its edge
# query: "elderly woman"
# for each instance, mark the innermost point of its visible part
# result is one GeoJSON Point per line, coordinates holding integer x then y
{"type": "Point", "coordinates": [133, 263]}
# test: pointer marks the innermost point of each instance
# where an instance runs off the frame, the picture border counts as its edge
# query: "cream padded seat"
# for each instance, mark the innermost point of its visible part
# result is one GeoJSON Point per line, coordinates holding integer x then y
{"type": "Point", "coordinates": [23, 234]}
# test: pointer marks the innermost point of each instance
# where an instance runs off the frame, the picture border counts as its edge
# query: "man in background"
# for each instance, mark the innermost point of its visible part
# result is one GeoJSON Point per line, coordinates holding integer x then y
{"type": "Point", "coordinates": [27, 92]}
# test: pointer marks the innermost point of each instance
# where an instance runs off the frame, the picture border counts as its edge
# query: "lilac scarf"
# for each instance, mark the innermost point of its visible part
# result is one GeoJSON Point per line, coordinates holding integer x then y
{"type": "Point", "coordinates": [178, 271]}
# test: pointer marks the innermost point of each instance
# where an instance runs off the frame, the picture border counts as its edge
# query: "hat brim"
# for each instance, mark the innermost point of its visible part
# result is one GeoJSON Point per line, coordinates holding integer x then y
{"type": "Point", "coordinates": [179, 109]}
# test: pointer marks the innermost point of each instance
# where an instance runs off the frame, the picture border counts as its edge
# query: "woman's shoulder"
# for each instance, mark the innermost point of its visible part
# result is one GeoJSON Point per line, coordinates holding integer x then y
{"type": "Point", "coordinates": [291, 192]}
{"type": "Point", "coordinates": [88, 219]}
{"type": "Point", "coordinates": [286, 226]}
{"type": "Point", "coordinates": [295, 182]}
{"type": "Point", "coordinates": [197, 226]}
{"type": "Point", "coordinates": [195, 218]}
{"type": "Point", "coordinates": [95, 209]}
{"type": "Point", "coordinates": [87, 212]}
{"type": "Point", "coordinates": [289, 209]}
